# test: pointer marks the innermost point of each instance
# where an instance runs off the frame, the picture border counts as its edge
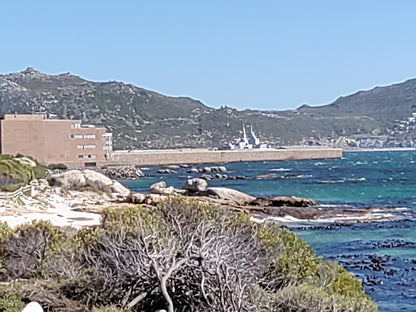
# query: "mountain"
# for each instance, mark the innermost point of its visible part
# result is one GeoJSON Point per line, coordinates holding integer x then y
{"type": "Point", "coordinates": [144, 119]}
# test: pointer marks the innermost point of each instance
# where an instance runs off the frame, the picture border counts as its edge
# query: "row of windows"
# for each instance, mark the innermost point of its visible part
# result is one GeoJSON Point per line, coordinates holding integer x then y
{"type": "Point", "coordinates": [87, 156]}
{"type": "Point", "coordinates": [83, 136]}
{"type": "Point", "coordinates": [80, 146]}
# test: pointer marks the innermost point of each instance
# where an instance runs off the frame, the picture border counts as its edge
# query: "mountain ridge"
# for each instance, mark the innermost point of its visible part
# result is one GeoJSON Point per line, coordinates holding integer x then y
{"type": "Point", "coordinates": [144, 119]}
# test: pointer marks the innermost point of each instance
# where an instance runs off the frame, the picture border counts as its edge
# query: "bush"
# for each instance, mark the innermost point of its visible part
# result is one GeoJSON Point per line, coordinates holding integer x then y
{"type": "Point", "coordinates": [10, 302]}
{"type": "Point", "coordinates": [291, 259]}
{"type": "Point", "coordinates": [24, 249]}
{"type": "Point", "coordinates": [182, 255]}
{"type": "Point", "coordinates": [14, 174]}
{"type": "Point", "coordinates": [58, 166]}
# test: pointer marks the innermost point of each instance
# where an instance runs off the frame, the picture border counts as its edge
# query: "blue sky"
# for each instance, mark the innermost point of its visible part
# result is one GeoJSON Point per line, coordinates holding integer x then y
{"type": "Point", "coordinates": [243, 54]}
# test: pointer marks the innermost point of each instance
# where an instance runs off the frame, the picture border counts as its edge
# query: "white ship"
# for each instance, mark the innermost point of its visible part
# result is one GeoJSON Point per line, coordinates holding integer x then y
{"type": "Point", "coordinates": [245, 143]}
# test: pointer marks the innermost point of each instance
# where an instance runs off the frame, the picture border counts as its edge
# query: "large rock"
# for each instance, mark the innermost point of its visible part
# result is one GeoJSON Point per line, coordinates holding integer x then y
{"type": "Point", "coordinates": [161, 189]}
{"type": "Point", "coordinates": [68, 180]}
{"type": "Point", "coordinates": [97, 180]}
{"type": "Point", "coordinates": [118, 188]}
{"type": "Point", "coordinates": [195, 185]}
{"type": "Point", "coordinates": [292, 201]}
{"type": "Point", "coordinates": [156, 188]}
{"type": "Point", "coordinates": [193, 170]}
{"type": "Point", "coordinates": [77, 179]}
{"type": "Point", "coordinates": [228, 194]}
{"type": "Point", "coordinates": [136, 198]}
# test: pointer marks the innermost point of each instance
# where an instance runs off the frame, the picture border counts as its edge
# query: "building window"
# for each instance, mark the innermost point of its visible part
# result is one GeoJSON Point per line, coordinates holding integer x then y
{"type": "Point", "coordinates": [89, 136]}
{"type": "Point", "coordinates": [76, 125]}
{"type": "Point", "coordinates": [76, 136]}
{"type": "Point", "coordinates": [80, 156]}
{"type": "Point", "coordinates": [86, 146]}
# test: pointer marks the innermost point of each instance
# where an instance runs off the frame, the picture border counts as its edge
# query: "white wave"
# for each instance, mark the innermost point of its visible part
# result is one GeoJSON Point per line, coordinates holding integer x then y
{"type": "Point", "coordinates": [281, 169]}
{"type": "Point", "coordinates": [331, 181]}
{"type": "Point", "coordinates": [357, 179]}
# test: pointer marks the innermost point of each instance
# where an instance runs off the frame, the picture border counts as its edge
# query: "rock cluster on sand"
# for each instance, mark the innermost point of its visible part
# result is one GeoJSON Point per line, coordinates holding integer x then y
{"type": "Point", "coordinates": [77, 179]}
{"type": "Point", "coordinates": [121, 172]}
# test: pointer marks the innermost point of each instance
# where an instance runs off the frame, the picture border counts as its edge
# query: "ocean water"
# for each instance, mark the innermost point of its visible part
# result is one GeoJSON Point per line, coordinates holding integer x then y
{"type": "Point", "coordinates": [380, 254]}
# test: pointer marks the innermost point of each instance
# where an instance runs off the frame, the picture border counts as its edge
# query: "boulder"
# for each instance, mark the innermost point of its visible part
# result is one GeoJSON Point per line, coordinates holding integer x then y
{"type": "Point", "coordinates": [161, 189]}
{"type": "Point", "coordinates": [206, 177]}
{"type": "Point", "coordinates": [222, 169]}
{"type": "Point", "coordinates": [195, 185]}
{"type": "Point", "coordinates": [97, 180]}
{"type": "Point", "coordinates": [228, 194]}
{"type": "Point", "coordinates": [262, 201]}
{"type": "Point", "coordinates": [76, 179]}
{"type": "Point", "coordinates": [68, 180]}
{"type": "Point", "coordinates": [192, 170]}
{"type": "Point", "coordinates": [136, 198]}
{"type": "Point", "coordinates": [156, 187]}
{"type": "Point", "coordinates": [292, 201]}
{"type": "Point", "coordinates": [153, 199]}
{"type": "Point", "coordinates": [166, 171]}
{"type": "Point", "coordinates": [118, 188]}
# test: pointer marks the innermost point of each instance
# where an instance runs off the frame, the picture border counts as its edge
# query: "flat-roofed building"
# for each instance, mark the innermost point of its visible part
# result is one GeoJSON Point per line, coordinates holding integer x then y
{"type": "Point", "coordinates": [54, 140]}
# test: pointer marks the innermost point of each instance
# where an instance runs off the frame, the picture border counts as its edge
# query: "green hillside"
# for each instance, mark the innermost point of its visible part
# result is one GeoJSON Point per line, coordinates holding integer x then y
{"type": "Point", "coordinates": [145, 119]}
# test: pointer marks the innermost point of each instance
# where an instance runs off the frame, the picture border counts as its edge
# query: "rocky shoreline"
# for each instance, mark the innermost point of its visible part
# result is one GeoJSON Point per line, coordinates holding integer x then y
{"type": "Point", "coordinates": [75, 197]}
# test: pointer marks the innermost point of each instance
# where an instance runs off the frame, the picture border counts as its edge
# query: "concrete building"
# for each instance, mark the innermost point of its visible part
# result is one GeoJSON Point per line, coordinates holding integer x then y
{"type": "Point", "coordinates": [54, 140]}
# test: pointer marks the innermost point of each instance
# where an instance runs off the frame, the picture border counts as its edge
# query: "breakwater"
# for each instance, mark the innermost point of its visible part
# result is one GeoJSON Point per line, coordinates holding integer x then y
{"type": "Point", "coordinates": [205, 156]}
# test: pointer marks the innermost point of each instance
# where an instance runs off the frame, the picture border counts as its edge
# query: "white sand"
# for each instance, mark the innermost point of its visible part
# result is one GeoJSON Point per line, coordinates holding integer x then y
{"type": "Point", "coordinates": [58, 209]}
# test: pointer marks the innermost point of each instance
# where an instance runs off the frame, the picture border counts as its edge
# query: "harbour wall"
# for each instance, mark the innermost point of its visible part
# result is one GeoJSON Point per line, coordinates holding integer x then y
{"type": "Point", "coordinates": [199, 156]}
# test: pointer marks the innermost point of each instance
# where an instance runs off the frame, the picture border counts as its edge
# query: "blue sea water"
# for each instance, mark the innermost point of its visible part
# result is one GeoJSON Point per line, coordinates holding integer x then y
{"type": "Point", "coordinates": [380, 254]}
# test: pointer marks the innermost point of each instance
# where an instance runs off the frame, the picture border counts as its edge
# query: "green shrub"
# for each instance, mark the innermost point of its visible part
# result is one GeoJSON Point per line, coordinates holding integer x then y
{"type": "Point", "coordinates": [182, 254]}
{"type": "Point", "coordinates": [14, 174]}
{"type": "Point", "coordinates": [10, 302]}
{"type": "Point", "coordinates": [58, 166]}
{"type": "Point", "coordinates": [111, 308]}
{"type": "Point", "coordinates": [292, 260]}
{"type": "Point", "coordinates": [26, 247]}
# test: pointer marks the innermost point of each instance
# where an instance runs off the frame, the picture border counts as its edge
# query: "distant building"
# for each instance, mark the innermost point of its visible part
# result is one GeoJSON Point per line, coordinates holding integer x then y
{"type": "Point", "coordinates": [54, 141]}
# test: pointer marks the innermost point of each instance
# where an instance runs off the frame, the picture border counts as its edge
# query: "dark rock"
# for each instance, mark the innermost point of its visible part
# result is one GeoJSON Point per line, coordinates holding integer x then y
{"type": "Point", "coordinates": [192, 170]}
{"type": "Point", "coordinates": [166, 171]}
{"type": "Point", "coordinates": [292, 201]}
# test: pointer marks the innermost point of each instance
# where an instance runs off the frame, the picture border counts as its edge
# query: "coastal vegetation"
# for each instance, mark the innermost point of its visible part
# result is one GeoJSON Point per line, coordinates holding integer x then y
{"type": "Point", "coordinates": [182, 255]}
{"type": "Point", "coordinates": [18, 171]}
